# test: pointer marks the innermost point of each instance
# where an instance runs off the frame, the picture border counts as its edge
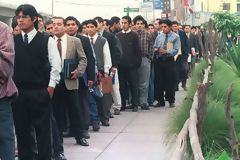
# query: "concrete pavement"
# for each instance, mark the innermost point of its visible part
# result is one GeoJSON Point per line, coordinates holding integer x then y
{"type": "Point", "coordinates": [131, 136]}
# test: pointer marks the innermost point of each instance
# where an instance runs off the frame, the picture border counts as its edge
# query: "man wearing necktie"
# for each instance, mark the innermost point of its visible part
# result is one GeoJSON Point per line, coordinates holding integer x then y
{"type": "Point", "coordinates": [36, 73]}
{"type": "Point", "coordinates": [166, 47]}
{"type": "Point", "coordinates": [115, 52]}
{"type": "Point", "coordinates": [104, 64]}
{"type": "Point", "coordinates": [66, 99]}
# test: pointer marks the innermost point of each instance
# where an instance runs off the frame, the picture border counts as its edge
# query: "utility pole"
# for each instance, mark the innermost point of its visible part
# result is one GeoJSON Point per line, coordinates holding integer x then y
{"type": "Point", "coordinates": [52, 7]}
{"type": "Point", "coordinates": [153, 4]}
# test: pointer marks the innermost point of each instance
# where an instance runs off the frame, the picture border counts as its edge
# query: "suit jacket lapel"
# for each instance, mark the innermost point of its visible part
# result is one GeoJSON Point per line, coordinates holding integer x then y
{"type": "Point", "coordinates": [69, 47]}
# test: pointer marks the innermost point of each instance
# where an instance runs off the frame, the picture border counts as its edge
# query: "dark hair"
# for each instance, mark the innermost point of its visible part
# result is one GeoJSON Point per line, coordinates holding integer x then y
{"type": "Point", "coordinates": [80, 28]}
{"type": "Point", "coordinates": [145, 23]}
{"type": "Point", "coordinates": [29, 10]}
{"type": "Point", "coordinates": [14, 22]}
{"type": "Point", "coordinates": [193, 27]}
{"type": "Point", "coordinates": [47, 23]}
{"type": "Point", "coordinates": [91, 21]}
{"type": "Point", "coordinates": [159, 21]}
{"type": "Point", "coordinates": [113, 20]}
{"type": "Point", "coordinates": [138, 18]}
{"type": "Point", "coordinates": [167, 22]}
{"type": "Point", "coordinates": [71, 18]}
{"type": "Point", "coordinates": [107, 22]}
{"type": "Point", "coordinates": [84, 23]}
{"type": "Point", "coordinates": [174, 22]}
{"type": "Point", "coordinates": [128, 19]}
{"type": "Point", "coordinates": [40, 16]}
{"type": "Point", "coordinates": [150, 25]}
{"type": "Point", "coordinates": [64, 21]}
{"type": "Point", "coordinates": [99, 19]}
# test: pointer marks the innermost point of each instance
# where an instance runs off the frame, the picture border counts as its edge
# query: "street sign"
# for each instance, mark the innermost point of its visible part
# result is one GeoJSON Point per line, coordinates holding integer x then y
{"type": "Point", "coordinates": [146, 7]}
{"type": "Point", "coordinates": [158, 4]}
{"type": "Point", "coordinates": [131, 9]}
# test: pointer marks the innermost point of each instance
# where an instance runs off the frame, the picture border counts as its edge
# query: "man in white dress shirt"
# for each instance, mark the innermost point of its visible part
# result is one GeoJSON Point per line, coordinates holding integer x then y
{"type": "Point", "coordinates": [36, 73]}
{"type": "Point", "coordinates": [104, 64]}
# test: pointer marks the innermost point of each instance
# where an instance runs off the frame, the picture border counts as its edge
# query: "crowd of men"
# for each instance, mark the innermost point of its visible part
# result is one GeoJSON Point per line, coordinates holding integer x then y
{"type": "Point", "coordinates": [119, 64]}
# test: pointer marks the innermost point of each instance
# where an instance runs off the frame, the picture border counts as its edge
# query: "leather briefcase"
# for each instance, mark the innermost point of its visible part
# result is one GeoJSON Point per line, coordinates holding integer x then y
{"type": "Point", "coordinates": [106, 84]}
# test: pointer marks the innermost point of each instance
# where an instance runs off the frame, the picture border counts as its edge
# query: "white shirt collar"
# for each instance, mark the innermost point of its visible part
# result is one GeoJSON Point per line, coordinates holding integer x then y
{"type": "Point", "coordinates": [94, 37]}
{"type": "Point", "coordinates": [30, 34]}
{"type": "Point", "coordinates": [129, 30]}
{"type": "Point", "coordinates": [63, 38]}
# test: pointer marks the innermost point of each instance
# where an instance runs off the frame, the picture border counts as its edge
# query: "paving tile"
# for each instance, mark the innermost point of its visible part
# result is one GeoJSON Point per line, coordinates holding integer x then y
{"type": "Point", "coordinates": [131, 136]}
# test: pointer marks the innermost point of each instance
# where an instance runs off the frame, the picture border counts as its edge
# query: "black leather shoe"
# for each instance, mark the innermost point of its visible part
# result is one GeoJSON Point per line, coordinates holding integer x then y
{"type": "Point", "coordinates": [122, 109]}
{"type": "Point", "coordinates": [116, 111]}
{"type": "Point", "coordinates": [171, 105]}
{"type": "Point", "coordinates": [135, 109]}
{"type": "Point", "coordinates": [60, 157]}
{"type": "Point", "coordinates": [105, 123]}
{"type": "Point", "coordinates": [145, 107]}
{"type": "Point", "coordinates": [111, 115]}
{"type": "Point", "coordinates": [161, 104]}
{"type": "Point", "coordinates": [82, 142]}
{"type": "Point", "coordinates": [151, 105]}
{"type": "Point", "coordinates": [85, 134]}
{"type": "Point", "coordinates": [96, 126]}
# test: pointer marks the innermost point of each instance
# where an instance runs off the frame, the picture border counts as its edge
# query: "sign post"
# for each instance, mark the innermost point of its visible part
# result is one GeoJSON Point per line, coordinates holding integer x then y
{"type": "Point", "coordinates": [128, 10]}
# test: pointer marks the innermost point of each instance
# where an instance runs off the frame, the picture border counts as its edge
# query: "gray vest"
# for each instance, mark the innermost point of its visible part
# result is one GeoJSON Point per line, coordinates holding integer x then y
{"type": "Point", "coordinates": [98, 49]}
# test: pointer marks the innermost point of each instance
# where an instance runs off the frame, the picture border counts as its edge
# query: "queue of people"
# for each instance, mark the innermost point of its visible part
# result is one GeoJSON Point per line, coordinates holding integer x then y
{"type": "Point", "coordinates": [59, 77]}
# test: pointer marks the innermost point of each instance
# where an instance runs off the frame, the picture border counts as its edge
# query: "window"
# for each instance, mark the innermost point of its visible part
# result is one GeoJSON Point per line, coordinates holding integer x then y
{"type": "Point", "coordinates": [226, 6]}
{"type": "Point", "coordinates": [238, 7]}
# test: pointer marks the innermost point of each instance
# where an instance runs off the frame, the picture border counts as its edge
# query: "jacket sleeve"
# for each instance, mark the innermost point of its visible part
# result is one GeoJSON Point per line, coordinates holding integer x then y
{"type": "Point", "coordinates": [81, 57]}
{"type": "Point", "coordinates": [6, 52]}
{"type": "Point", "coordinates": [116, 52]}
{"type": "Point", "coordinates": [90, 59]}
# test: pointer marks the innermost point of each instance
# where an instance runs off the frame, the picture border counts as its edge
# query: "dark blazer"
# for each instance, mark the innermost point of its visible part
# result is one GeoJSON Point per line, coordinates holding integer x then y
{"type": "Point", "coordinates": [192, 43]}
{"type": "Point", "coordinates": [114, 49]}
{"type": "Point", "coordinates": [184, 44]}
{"type": "Point", "coordinates": [90, 70]}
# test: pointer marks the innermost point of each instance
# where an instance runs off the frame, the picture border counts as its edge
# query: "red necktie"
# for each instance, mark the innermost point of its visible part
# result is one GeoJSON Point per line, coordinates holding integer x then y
{"type": "Point", "coordinates": [59, 46]}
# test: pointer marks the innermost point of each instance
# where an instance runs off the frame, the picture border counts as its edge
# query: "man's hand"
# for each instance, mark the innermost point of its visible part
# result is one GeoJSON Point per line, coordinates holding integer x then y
{"type": "Point", "coordinates": [50, 91]}
{"type": "Point", "coordinates": [74, 75]}
{"type": "Point", "coordinates": [1, 82]}
{"type": "Point", "coordinates": [162, 51]}
{"type": "Point", "coordinates": [90, 83]}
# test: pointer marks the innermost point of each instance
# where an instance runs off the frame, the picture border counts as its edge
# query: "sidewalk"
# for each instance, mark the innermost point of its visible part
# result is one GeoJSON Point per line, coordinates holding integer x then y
{"type": "Point", "coordinates": [131, 136]}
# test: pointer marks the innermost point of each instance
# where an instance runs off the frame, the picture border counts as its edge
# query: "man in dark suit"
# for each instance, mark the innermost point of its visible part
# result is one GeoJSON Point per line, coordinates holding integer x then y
{"type": "Point", "coordinates": [181, 57]}
{"type": "Point", "coordinates": [66, 94]}
{"type": "Point", "coordinates": [72, 27]}
{"type": "Point", "coordinates": [192, 46]}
